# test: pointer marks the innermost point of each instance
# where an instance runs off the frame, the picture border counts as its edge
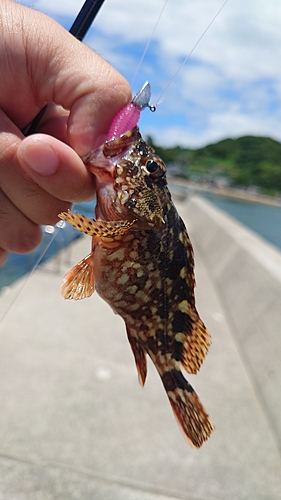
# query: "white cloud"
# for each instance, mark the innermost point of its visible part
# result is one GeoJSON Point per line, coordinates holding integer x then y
{"type": "Point", "coordinates": [221, 127]}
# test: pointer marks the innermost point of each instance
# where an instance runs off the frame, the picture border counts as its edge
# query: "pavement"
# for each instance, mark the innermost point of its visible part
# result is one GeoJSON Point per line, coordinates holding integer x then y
{"type": "Point", "coordinates": [75, 424]}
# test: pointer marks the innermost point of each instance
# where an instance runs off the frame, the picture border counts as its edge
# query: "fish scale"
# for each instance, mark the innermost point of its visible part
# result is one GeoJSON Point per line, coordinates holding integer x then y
{"type": "Point", "coordinates": [142, 265]}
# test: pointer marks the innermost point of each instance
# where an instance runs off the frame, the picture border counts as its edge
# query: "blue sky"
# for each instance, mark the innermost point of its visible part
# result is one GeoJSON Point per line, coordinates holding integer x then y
{"type": "Point", "coordinates": [230, 86]}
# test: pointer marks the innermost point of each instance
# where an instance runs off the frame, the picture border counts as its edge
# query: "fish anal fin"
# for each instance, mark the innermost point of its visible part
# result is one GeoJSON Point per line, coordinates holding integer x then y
{"type": "Point", "coordinates": [79, 282]}
{"type": "Point", "coordinates": [140, 357]}
{"type": "Point", "coordinates": [187, 407]}
{"type": "Point", "coordinates": [93, 227]}
{"type": "Point", "coordinates": [191, 339]}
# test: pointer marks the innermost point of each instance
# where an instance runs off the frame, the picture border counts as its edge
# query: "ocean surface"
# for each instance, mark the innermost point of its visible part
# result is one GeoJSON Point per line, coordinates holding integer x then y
{"type": "Point", "coordinates": [265, 220]}
{"type": "Point", "coordinates": [55, 238]}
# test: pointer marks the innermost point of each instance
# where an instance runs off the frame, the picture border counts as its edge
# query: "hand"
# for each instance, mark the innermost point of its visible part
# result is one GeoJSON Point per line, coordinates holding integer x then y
{"type": "Point", "coordinates": [42, 174]}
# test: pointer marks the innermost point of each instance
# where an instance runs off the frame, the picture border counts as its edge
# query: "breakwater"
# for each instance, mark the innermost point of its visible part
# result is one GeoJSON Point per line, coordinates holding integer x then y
{"type": "Point", "coordinates": [247, 274]}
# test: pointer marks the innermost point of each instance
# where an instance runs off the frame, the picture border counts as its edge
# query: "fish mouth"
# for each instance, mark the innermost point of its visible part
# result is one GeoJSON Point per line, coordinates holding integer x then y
{"type": "Point", "coordinates": [103, 170]}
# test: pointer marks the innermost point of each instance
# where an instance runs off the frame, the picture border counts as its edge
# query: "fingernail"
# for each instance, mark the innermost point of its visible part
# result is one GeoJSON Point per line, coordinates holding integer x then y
{"type": "Point", "coordinates": [40, 157]}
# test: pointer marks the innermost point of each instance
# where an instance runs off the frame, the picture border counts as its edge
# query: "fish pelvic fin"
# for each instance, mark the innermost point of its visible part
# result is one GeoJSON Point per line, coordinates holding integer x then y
{"type": "Point", "coordinates": [140, 357]}
{"type": "Point", "coordinates": [192, 340]}
{"type": "Point", "coordinates": [79, 282]}
{"type": "Point", "coordinates": [187, 407]}
{"type": "Point", "coordinates": [93, 227]}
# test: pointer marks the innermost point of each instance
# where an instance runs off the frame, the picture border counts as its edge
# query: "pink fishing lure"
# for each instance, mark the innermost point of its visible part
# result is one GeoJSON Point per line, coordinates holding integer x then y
{"type": "Point", "coordinates": [129, 116]}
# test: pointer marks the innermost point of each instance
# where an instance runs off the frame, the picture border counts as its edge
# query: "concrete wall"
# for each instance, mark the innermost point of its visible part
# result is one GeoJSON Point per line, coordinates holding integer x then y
{"type": "Point", "coordinates": [247, 273]}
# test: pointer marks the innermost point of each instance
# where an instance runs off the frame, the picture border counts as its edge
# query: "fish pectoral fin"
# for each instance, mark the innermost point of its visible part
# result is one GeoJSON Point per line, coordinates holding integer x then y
{"type": "Point", "coordinates": [187, 407]}
{"type": "Point", "coordinates": [93, 227]}
{"type": "Point", "coordinates": [139, 355]}
{"type": "Point", "coordinates": [79, 282]}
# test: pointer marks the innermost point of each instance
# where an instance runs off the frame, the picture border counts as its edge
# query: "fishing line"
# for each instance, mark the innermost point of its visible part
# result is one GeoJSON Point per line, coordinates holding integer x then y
{"type": "Point", "coordinates": [190, 53]}
{"type": "Point", "coordinates": [57, 228]}
{"type": "Point", "coordinates": [149, 41]}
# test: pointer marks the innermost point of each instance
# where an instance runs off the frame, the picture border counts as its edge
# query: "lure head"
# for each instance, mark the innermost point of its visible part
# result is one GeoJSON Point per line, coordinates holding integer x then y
{"type": "Point", "coordinates": [130, 181]}
{"type": "Point", "coordinates": [129, 116]}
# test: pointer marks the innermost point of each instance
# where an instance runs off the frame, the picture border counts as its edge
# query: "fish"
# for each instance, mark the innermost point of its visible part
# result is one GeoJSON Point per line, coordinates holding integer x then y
{"type": "Point", "coordinates": [142, 264]}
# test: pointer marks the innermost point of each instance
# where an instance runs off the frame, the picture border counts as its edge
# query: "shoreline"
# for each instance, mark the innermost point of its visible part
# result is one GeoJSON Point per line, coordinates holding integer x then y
{"type": "Point", "coordinates": [234, 193]}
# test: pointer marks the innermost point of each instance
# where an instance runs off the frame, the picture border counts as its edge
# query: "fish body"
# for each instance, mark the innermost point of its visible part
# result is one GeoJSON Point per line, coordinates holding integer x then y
{"type": "Point", "coordinates": [142, 265]}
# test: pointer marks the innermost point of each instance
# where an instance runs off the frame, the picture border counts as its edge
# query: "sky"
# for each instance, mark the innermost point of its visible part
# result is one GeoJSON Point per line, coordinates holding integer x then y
{"type": "Point", "coordinates": [229, 87]}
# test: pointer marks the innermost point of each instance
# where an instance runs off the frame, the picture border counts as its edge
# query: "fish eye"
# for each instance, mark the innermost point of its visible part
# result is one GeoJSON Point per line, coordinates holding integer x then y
{"type": "Point", "coordinates": [152, 166]}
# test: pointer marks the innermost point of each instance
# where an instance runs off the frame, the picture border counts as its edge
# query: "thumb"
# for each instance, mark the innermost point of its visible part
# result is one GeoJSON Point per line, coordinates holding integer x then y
{"type": "Point", "coordinates": [55, 67]}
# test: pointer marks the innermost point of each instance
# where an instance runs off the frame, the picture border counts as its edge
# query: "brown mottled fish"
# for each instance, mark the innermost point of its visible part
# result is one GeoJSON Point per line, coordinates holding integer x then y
{"type": "Point", "coordinates": [142, 265]}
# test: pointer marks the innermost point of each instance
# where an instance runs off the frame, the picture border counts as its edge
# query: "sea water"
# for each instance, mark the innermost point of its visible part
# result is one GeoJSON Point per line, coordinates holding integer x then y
{"type": "Point", "coordinates": [265, 220]}
{"type": "Point", "coordinates": [54, 239]}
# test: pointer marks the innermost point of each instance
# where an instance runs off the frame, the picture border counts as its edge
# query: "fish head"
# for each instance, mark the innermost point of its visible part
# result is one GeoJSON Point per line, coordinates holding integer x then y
{"type": "Point", "coordinates": [130, 181]}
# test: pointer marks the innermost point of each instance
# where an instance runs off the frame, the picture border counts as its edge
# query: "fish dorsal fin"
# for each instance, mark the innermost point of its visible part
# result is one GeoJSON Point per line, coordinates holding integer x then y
{"type": "Point", "coordinates": [79, 282]}
{"type": "Point", "coordinates": [93, 227]}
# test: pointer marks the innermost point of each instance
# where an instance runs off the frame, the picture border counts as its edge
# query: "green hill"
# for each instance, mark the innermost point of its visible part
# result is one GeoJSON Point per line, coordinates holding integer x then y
{"type": "Point", "coordinates": [247, 161]}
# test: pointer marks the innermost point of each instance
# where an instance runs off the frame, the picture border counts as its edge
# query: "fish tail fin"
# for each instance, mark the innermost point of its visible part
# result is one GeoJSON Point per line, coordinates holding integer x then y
{"type": "Point", "coordinates": [79, 282]}
{"type": "Point", "coordinates": [187, 407]}
{"type": "Point", "coordinates": [140, 357]}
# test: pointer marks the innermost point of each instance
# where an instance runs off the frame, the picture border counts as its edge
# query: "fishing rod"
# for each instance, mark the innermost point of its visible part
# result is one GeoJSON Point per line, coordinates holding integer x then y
{"type": "Point", "coordinates": [79, 28]}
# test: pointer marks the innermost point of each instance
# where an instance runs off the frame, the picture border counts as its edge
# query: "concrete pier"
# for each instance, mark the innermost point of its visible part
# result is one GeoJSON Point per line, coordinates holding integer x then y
{"type": "Point", "coordinates": [74, 422]}
{"type": "Point", "coordinates": [246, 272]}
